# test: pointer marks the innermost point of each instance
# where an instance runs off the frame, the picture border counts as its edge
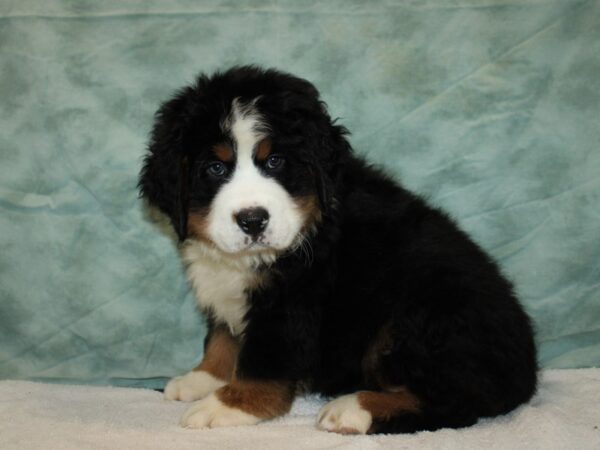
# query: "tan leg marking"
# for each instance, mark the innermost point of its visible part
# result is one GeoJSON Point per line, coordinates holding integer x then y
{"type": "Point", "coordinates": [240, 403]}
{"type": "Point", "coordinates": [215, 370]}
{"type": "Point", "coordinates": [220, 354]}
{"type": "Point", "coordinates": [264, 399]}
{"type": "Point", "coordinates": [384, 405]}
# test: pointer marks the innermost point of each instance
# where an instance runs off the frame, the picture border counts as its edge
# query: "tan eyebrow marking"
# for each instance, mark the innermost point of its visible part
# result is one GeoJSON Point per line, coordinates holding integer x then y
{"type": "Point", "coordinates": [224, 152]}
{"type": "Point", "coordinates": [263, 150]}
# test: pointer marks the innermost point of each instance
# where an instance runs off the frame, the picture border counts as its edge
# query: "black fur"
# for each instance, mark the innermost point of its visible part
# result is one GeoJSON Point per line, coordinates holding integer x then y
{"type": "Point", "coordinates": [383, 261]}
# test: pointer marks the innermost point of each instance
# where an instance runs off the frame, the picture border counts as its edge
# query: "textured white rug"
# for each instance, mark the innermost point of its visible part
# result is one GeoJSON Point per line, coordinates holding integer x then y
{"type": "Point", "coordinates": [565, 414]}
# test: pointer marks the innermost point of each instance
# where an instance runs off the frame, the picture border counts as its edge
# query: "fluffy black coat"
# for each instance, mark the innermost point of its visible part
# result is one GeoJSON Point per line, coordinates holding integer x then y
{"type": "Point", "coordinates": [393, 292]}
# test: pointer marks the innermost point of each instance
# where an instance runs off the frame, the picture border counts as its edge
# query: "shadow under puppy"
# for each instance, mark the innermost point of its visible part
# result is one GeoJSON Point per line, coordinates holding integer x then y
{"type": "Point", "coordinates": [319, 273]}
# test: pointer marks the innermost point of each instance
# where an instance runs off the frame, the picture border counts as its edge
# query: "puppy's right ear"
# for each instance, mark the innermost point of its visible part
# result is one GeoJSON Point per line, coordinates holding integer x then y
{"type": "Point", "coordinates": [164, 178]}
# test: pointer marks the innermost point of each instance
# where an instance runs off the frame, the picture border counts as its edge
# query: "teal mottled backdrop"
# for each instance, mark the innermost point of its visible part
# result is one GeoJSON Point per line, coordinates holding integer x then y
{"type": "Point", "coordinates": [490, 108]}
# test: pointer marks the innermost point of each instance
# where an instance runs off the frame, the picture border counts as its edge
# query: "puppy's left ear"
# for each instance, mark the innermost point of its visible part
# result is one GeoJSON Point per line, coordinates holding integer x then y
{"type": "Point", "coordinates": [325, 147]}
{"type": "Point", "coordinates": [164, 178]}
{"type": "Point", "coordinates": [328, 161]}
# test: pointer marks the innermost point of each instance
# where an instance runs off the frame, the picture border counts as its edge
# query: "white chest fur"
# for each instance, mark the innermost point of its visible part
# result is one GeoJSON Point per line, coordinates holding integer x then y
{"type": "Point", "coordinates": [220, 282]}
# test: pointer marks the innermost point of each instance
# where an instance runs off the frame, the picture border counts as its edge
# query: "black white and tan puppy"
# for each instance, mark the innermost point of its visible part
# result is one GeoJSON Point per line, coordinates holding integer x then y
{"type": "Point", "coordinates": [319, 273]}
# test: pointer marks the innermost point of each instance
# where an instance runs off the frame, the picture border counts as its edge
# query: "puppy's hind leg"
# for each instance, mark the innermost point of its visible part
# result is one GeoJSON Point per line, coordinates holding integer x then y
{"type": "Point", "coordinates": [372, 412]}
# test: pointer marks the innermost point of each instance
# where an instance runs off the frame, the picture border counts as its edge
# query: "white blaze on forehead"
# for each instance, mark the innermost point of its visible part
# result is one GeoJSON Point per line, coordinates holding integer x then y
{"type": "Point", "coordinates": [245, 123]}
{"type": "Point", "coordinates": [249, 188]}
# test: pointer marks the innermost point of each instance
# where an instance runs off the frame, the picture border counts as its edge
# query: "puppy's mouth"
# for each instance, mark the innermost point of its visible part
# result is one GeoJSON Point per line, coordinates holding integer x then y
{"type": "Point", "coordinates": [257, 244]}
{"type": "Point", "coordinates": [251, 241]}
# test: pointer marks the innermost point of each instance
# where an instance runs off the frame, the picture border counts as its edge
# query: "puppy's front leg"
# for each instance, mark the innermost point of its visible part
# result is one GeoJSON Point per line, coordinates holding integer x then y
{"type": "Point", "coordinates": [215, 370]}
{"type": "Point", "coordinates": [270, 355]}
{"type": "Point", "coordinates": [242, 402]}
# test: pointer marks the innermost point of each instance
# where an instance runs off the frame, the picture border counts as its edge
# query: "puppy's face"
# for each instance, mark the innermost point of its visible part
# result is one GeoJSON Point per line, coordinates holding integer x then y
{"type": "Point", "coordinates": [248, 192]}
{"type": "Point", "coordinates": [243, 161]}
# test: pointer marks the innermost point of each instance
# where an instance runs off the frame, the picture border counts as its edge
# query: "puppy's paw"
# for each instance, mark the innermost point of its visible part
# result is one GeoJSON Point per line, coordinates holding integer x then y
{"type": "Point", "coordinates": [211, 413]}
{"type": "Point", "coordinates": [344, 415]}
{"type": "Point", "coordinates": [192, 386]}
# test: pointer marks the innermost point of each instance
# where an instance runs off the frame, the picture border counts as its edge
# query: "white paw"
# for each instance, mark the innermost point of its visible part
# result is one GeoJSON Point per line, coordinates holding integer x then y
{"type": "Point", "coordinates": [211, 413]}
{"type": "Point", "coordinates": [344, 415]}
{"type": "Point", "coordinates": [192, 386]}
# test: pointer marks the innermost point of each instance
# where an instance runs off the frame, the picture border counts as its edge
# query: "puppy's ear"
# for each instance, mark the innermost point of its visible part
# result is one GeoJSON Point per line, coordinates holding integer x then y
{"type": "Point", "coordinates": [182, 204]}
{"type": "Point", "coordinates": [299, 110]}
{"type": "Point", "coordinates": [164, 178]}
{"type": "Point", "coordinates": [331, 153]}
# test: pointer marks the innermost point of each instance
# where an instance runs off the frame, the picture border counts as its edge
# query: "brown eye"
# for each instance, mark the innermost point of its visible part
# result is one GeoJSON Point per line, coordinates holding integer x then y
{"type": "Point", "coordinates": [217, 169]}
{"type": "Point", "coordinates": [274, 162]}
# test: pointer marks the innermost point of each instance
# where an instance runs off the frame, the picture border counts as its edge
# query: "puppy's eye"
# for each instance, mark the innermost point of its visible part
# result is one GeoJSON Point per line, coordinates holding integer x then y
{"type": "Point", "coordinates": [274, 162]}
{"type": "Point", "coordinates": [217, 169]}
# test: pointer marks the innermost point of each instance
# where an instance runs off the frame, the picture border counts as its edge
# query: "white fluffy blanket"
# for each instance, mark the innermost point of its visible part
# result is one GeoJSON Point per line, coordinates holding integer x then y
{"type": "Point", "coordinates": [565, 414]}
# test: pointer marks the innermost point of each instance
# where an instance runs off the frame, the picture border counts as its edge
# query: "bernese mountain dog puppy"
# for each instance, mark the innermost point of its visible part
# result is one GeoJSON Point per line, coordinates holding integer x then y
{"type": "Point", "coordinates": [319, 273]}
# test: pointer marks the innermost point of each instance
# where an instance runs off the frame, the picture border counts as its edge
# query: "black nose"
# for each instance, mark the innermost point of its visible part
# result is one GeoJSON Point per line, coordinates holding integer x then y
{"type": "Point", "coordinates": [252, 221]}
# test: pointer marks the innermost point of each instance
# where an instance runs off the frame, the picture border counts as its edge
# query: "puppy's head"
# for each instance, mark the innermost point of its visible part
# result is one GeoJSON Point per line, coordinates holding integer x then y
{"type": "Point", "coordinates": [244, 160]}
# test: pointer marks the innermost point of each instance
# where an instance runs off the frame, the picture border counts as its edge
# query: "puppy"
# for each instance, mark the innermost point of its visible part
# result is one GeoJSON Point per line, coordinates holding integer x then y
{"type": "Point", "coordinates": [319, 273]}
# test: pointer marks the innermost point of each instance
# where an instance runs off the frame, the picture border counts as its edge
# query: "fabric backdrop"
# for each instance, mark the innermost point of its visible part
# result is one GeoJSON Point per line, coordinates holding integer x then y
{"type": "Point", "coordinates": [490, 108]}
